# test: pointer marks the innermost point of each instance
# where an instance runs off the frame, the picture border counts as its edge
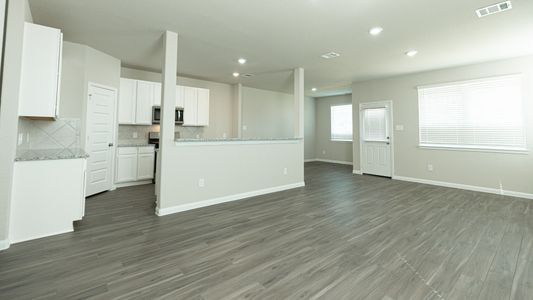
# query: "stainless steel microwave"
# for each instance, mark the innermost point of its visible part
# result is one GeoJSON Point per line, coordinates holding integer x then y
{"type": "Point", "coordinates": [156, 115]}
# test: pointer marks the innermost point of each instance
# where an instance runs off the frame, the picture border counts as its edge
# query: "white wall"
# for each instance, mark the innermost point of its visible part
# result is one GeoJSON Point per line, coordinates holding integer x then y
{"type": "Point", "coordinates": [221, 112]}
{"type": "Point", "coordinates": [229, 169]}
{"type": "Point", "coordinates": [267, 114]}
{"type": "Point", "coordinates": [514, 172]}
{"type": "Point", "coordinates": [81, 65]}
{"type": "Point", "coordinates": [18, 12]}
{"type": "Point", "coordinates": [334, 150]}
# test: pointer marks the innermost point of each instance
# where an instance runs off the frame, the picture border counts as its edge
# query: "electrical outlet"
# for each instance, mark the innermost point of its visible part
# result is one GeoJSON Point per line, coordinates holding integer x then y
{"type": "Point", "coordinates": [244, 127]}
{"type": "Point", "coordinates": [201, 182]}
{"type": "Point", "coordinates": [399, 127]}
{"type": "Point", "coordinates": [197, 136]}
{"type": "Point", "coordinates": [224, 135]}
{"type": "Point", "coordinates": [430, 167]}
{"type": "Point", "coordinates": [285, 171]}
{"type": "Point", "coordinates": [135, 135]}
{"type": "Point", "coordinates": [324, 152]}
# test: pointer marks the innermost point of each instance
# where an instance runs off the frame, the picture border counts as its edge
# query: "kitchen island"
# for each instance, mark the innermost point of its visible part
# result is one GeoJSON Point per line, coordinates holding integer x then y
{"type": "Point", "coordinates": [203, 172]}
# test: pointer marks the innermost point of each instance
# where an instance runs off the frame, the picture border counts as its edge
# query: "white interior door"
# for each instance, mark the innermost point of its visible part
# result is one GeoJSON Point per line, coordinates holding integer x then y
{"type": "Point", "coordinates": [101, 112]}
{"type": "Point", "coordinates": [376, 149]}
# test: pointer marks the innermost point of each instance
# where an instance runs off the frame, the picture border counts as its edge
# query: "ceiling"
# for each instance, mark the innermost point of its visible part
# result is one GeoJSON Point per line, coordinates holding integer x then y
{"type": "Point", "coordinates": [279, 35]}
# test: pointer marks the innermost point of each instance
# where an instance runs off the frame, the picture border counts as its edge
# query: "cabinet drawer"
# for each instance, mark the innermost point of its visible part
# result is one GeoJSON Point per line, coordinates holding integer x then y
{"type": "Point", "coordinates": [127, 150]}
{"type": "Point", "coordinates": [146, 150]}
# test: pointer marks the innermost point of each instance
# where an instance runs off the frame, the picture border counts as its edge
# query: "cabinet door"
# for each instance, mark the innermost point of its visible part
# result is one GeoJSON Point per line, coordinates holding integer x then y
{"type": "Point", "coordinates": [145, 166]}
{"type": "Point", "coordinates": [203, 107]}
{"type": "Point", "coordinates": [190, 106]}
{"type": "Point", "coordinates": [157, 93]}
{"type": "Point", "coordinates": [40, 72]}
{"type": "Point", "coordinates": [127, 101]}
{"type": "Point", "coordinates": [145, 101]}
{"type": "Point", "coordinates": [179, 96]}
{"type": "Point", "coordinates": [126, 167]}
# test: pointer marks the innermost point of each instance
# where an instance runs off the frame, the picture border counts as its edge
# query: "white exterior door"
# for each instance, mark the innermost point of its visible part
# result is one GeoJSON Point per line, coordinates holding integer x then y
{"type": "Point", "coordinates": [376, 149]}
{"type": "Point", "coordinates": [101, 112]}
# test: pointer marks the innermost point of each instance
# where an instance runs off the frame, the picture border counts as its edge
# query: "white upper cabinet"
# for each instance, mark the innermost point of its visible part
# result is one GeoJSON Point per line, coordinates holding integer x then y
{"type": "Point", "coordinates": [137, 97]}
{"type": "Point", "coordinates": [179, 96]}
{"type": "Point", "coordinates": [157, 93]}
{"type": "Point", "coordinates": [203, 107]}
{"type": "Point", "coordinates": [127, 101]}
{"type": "Point", "coordinates": [195, 106]}
{"type": "Point", "coordinates": [41, 71]}
{"type": "Point", "coordinates": [190, 106]}
{"type": "Point", "coordinates": [145, 101]}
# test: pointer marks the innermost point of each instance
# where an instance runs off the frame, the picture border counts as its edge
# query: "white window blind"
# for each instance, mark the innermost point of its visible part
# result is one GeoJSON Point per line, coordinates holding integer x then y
{"type": "Point", "coordinates": [375, 124]}
{"type": "Point", "coordinates": [477, 114]}
{"type": "Point", "coordinates": [341, 122]}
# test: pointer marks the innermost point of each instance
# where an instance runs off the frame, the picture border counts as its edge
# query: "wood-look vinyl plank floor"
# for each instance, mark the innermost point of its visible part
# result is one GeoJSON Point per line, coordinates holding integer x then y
{"type": "Point", "coordinates": [342, 236]}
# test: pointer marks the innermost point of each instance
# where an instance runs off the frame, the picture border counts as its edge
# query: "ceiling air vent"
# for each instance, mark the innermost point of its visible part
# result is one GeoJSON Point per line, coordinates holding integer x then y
{"type": "Point", "coordinates": [493, 9]}
{"type": "Point", "coordinates": [330, 55]}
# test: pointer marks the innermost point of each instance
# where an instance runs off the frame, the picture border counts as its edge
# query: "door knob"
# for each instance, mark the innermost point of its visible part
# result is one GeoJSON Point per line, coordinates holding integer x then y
{"type": "Point", "coordinates": [110, 144]}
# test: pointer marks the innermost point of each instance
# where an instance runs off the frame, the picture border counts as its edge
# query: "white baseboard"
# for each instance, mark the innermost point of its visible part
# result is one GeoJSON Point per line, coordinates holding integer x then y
{"type": "Point", "coordinates": [209, 202]}
{"type": "Point", "coordinates": [4, 244]}
{"type": "Point", "coordinates": [132, 183]}
{"type": "Point", "coordinates": [358, 172]}
{"type": "Point", "coordinates": [330, 161]}
{"type": "Point", "coordinates": [39, 236]}
{"type": "Point", "coordinates": [466, 187]}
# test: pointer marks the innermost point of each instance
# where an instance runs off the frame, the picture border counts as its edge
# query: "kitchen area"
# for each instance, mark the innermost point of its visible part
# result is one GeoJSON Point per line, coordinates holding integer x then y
{"type": "Point", "coordinates": [88, 124]}
{"type": "Point", "coordinates": [139, 116]}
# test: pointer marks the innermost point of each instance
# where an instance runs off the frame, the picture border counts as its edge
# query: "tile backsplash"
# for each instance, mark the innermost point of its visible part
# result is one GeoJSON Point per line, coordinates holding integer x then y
{"type": "Point", "coordinates": [126, 133]}
{"type": "Point", "coordinates": [44, 134]}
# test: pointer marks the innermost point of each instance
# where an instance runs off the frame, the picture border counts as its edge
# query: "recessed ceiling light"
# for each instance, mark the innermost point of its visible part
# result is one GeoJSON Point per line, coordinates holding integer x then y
{"type": "Point", "coordinates": [314, 89]}
{"type": "Point", "coordinates": [375, 30]}
{"type": "Point", "coordinates": [242, 61]}
{"type": "Point", "coordinates": [235, 74]}
{"type": "Point", "coordinates": [411, 53]}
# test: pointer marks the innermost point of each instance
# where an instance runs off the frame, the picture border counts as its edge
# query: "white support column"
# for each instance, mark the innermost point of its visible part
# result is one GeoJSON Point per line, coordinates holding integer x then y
{"type": "Point", "coordinates": [168, 102]}
{"type": "Point", "coordinates": [299, 99]}
{"type": "Point", "coordinates": [237, 109]}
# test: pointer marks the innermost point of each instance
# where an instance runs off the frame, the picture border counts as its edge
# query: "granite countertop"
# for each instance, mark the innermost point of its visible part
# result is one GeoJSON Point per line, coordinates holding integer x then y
{"type": "Point", "coordinates": [50, 154]}
{"type": "Point", "coordinates": [134, 144]}
{"type": "Point", "coordinates": [236, 140]}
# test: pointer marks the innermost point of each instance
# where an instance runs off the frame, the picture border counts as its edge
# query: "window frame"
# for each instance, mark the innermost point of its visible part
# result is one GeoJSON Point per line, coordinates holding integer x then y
{"type": "Point", "coordinates": [331, 138]}
{"type": "Point", "coordinates": [475, 148]}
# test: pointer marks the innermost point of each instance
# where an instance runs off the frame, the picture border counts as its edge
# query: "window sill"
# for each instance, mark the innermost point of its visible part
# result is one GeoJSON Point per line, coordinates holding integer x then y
{"type": "Point", "coordinates": [337, 140]}
{"type": "Point", "coordinates": [473, 149]}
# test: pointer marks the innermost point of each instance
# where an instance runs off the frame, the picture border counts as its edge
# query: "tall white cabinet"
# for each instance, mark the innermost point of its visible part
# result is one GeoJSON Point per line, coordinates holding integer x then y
{"type": "Point", "coordinates": [41, 71]}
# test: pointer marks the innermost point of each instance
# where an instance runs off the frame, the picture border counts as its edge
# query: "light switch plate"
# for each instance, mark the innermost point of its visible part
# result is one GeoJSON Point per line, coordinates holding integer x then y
{"type": "Point", "coordinates": [201, 182]}
{"type": "Point", "coordinates": [135, 135]}
{"type": "Point", "coordinates": [399, 127]}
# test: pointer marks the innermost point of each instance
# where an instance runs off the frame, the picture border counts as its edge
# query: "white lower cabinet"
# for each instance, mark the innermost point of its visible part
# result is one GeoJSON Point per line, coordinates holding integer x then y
{"type": "Point", "coordinates": [48, 196]}
{"type": "Point", "coordinates": [134, 164]}
{"type": "Point", "coordinates": [145, 163]}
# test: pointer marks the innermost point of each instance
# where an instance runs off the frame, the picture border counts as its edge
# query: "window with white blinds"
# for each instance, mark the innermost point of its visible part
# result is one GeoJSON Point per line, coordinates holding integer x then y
{"type": "Point", "coordinates": [341, 122]}
{"type": "Point", "coordinates": [477, 114]}
{"type": "Point", "coordinates": [375, 124]}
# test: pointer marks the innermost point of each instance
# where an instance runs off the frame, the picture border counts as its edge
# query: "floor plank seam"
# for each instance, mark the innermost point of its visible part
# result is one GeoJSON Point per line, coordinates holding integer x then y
{"type": "Point", "coordinates": [424, 281]}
